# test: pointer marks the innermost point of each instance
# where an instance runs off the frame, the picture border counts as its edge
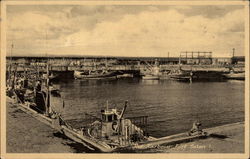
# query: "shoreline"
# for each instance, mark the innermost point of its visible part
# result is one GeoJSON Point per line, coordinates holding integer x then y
{"type": "Point", "coordinates": [26, 134]}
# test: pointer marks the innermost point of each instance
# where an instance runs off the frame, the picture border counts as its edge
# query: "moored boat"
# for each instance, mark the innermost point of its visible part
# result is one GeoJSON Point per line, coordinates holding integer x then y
{"type": "Point", "coordinates": [235, 75]}
{"type": "Point", "coordinates": [181, 75]}
{"type": "Point", "coordinates": [197, 76]}
{"type": "Point", "coordinates": [125, 75]}
{"type": "Point", "coordinates": [150, 77]}
{"type": "Point", "coordinates": [152, 74]}
{"type": "Point", "coordinates": [94, 74]}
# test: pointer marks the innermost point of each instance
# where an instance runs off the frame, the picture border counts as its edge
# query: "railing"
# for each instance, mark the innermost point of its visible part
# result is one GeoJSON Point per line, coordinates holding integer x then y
{"type": "Point", "coordinates": [140, 121]}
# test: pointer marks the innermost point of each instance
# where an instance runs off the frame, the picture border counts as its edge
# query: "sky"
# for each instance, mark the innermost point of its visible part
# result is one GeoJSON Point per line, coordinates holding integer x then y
{"type": "Point", "coordinates": [124, 30]}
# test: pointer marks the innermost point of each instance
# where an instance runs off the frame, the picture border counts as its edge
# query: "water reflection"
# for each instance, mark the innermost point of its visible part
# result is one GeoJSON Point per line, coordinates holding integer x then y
{"type": "Point", "coordinates": [150, 82]}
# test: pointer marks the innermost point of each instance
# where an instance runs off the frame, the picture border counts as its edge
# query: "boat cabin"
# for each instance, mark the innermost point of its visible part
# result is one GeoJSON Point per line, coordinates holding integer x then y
{"type": "Point", "coordinates": [109, 122]}
{"type": "Point", "coordinates": [109, 116]}
{"type": "Point", "coordinates": [119, 130]}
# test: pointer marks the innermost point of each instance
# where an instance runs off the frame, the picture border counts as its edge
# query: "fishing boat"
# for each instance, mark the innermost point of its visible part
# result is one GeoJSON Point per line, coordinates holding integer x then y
{"type": "Point", "coordinates": [235, 75]}
{"type": "Point", "coordinates": [97, 74]}
{"type": "Point", "coordinates": [181, 75]}
{"type": "Point", "coordinates": [165, 74]}
{"type": "Point", "coordinates": [125, 75]}
{"type": "Point", "coordinates": [152, 73]}
{"type": "Point", "coordinates": [197, 76]}
{"type": "Point", "coordinates": [150, 77]}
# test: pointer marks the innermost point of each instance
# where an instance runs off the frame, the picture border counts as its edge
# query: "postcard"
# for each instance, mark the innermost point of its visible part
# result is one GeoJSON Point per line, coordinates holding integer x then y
{"type": "Point", "coordinates": [124, 79]}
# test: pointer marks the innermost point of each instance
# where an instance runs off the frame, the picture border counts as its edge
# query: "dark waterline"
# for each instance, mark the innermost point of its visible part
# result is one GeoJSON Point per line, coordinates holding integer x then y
{"type": "Point", "coordinates": [171, 106]}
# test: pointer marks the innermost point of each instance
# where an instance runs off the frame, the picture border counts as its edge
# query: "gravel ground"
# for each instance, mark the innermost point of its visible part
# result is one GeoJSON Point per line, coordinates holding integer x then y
{"type": "Point", "coordinates": [25, 134]}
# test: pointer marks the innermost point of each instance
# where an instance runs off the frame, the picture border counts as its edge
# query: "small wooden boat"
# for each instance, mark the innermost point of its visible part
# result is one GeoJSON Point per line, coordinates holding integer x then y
{"type": "Point", "coordinates": [197, 76]}
{"type": "Point", "coordinates": [125, 75]}
{"type": "Point", "coordinates": [150, 77]}
{"type": "Point", "coordinates": [165, 74]}
{"type": "Point", "coordinates": [152, 73]}
{"type": "Point", "coordinates": [94, 74]}
{"type": "Point", "coordinates": [235, 75]}
{"type": "Point", "coordinates": [181, 76]}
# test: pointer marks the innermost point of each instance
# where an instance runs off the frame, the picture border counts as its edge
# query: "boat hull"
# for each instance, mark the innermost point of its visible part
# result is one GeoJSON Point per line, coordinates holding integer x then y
{"type": "Point", "coordinates": [150, 77]}
{"type": "Point", "coordinates": [108, 75]}
{"type": "Point", "coordinates": [125, 76]}
{"type": "Point", "coordinates": [198, 76]}
{"type": "Point", "coordinates": [235, 76]}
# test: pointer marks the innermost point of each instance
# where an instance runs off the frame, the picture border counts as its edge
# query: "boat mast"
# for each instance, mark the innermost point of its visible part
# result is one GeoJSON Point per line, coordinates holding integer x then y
{"type": "Point", "coordinates": [233, 52]}
{"type": "Point", "coordinates": [180, 61]}
{"type": "Point", "coordinates": [47, 104]}
{"type": "Point", "coordinates": [106, 64]}
{"type": "Point", "coordinates": [124, 109]}
{"type": "Point", "coordinates": [107, 106]}
{"type": "Point", "coordinates": [15, 70]}
{"type": "Point", "coordinates": [9, 68]}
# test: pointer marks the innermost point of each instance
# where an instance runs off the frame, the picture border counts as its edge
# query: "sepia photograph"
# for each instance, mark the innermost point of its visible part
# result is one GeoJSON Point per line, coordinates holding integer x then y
{"type": "Point", "coordinates": [124, 77]}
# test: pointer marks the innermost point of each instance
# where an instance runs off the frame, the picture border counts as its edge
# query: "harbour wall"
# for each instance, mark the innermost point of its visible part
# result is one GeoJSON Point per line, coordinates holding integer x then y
{"type": "Point", "coordinates": [65, 64]}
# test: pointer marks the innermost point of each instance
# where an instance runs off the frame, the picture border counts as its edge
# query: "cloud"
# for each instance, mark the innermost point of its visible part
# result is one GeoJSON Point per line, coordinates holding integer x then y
{"type": "Point", "coordinates": [148, 32]}
{"type": "Point", "coordinates": [156, 33]}
{"type": "Point", "coordinates": [37, 25]}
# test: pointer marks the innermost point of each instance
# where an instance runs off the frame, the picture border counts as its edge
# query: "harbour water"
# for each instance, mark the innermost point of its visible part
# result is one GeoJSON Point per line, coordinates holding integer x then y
{"type": "Point", "coordinates": [171, 106]}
